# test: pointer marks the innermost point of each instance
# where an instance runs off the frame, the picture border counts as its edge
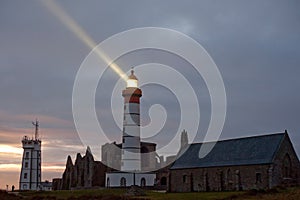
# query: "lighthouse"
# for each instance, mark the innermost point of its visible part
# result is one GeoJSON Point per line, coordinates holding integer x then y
{"type": "Point", "coordinates": [131, 172]}
{"type": "Point", "coordinates": [131, 157]}
{"type": "Point", "coordinates": [30, 177]}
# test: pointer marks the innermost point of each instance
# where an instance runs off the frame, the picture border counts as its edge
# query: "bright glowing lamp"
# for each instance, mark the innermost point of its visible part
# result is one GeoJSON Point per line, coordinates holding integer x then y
{"type": "Point", "coordinates": [132, 81]}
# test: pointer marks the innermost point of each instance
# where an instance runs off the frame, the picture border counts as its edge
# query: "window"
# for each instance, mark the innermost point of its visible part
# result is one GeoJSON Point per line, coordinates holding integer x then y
{"type": "Point", "coordinates": [27, 155]}
{"type": "Point", "coordinates": [206, 181]}
{"type": "Point", "coordinates": [163, 181]}
{"type": "Point", "coordinates": [258, 177]}
{"type": "Point", "coordinates": [184, 178]}
{"type": "Point", "coordinates": [287, 166]}
{"type": "Point", "coordinates": [88, 166]}
{"type": "Point", "coordinates": [222, 182]}
{"type": "Point", "coordinates": [25, 175]}
{"type": "Point", "coordinates": [25, 187]}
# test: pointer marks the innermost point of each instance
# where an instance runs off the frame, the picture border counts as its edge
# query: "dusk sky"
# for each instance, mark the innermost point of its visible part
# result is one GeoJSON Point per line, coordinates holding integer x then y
{"type": "Point", "coordinates": [255, 44]}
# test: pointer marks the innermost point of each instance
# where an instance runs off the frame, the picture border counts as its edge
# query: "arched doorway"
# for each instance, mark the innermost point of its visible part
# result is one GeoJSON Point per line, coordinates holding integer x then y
{"type": "Point", "coordinates": [143, 182]}
{"type": "Point", "coordinates": [123, 182]}
{"type": "Point", "coordinates": [107, 182]}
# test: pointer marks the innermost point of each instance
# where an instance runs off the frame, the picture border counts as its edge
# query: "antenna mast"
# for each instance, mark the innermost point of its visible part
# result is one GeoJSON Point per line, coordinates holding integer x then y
{"type": "Point", "coordinates": [36, 125]}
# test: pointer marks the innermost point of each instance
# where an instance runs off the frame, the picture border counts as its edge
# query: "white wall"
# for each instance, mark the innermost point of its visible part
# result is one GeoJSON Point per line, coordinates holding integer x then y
{"type": "Point", "coordinates": [115, 179]}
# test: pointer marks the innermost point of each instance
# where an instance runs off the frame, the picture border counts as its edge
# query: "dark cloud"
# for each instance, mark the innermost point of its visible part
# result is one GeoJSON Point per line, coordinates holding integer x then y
{"type": "Point", "coordinates": [256, 45]}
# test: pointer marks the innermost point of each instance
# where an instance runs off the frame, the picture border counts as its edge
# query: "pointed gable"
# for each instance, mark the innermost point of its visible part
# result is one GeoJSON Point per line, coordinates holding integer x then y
{"type": "Point", "coordinates": [69, 161]}
{"type": "Point", "coordinates": [88, 153]}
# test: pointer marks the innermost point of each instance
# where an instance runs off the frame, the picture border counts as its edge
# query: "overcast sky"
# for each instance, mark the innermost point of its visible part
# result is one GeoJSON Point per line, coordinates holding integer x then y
{"type": "Point", "coordinates": [255, 44]}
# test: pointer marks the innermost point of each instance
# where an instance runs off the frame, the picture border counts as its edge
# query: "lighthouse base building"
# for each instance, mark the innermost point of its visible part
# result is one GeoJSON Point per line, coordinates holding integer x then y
{"type": "Point", "coordinates": [123, 179]}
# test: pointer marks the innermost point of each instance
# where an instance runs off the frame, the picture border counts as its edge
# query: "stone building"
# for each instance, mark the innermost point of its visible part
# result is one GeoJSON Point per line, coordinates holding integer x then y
{"type": "Point", "coordinates": [84, 173]}
{"type": "Point", "coordinates": [258, 162]}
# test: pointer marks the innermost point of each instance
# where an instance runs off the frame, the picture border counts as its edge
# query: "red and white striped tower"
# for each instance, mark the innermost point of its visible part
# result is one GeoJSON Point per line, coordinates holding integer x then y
{"type": "Point", "coordinates": [131, 157]}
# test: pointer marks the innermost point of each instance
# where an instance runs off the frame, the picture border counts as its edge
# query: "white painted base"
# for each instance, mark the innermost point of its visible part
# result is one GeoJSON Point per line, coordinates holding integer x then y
{"type": "Point", "coordinates": [122, 179]}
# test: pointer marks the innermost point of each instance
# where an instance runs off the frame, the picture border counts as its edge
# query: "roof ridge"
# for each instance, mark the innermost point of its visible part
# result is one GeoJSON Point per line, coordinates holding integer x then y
{"type": "Point", "coordinates": [240, 138]}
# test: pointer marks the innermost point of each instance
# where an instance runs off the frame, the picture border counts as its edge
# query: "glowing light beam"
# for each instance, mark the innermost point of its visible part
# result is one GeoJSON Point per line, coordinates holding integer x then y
{"type": "Point", "coordinates": [67, 20]}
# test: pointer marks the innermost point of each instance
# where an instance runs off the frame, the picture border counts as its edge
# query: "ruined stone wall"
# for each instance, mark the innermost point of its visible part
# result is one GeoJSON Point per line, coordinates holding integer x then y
{"type": "Point", "coordinates": [85, 173]}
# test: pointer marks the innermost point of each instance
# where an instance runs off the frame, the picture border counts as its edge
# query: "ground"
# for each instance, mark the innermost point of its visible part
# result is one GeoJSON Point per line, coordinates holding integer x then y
{"type": "Point", "coordinates": [115, 194]}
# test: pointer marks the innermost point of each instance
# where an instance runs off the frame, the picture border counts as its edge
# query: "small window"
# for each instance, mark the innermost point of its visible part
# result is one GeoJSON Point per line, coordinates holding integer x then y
{"type": "Point", "coordinates": [287, 166]}
{"type": "Point", "coordinates": [25, 175]}
{"type": "Point", "coordinates": [258, 177]}
{"type": "Point", "coordinates": [27, 155]}
{"type": "Point", "coordinates": [26, 164]}
{"type": "Point", "coordinates": [184, 178]}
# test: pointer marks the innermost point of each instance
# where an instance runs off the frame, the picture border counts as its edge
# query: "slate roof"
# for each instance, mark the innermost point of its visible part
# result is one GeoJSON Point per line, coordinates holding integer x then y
{"type": "Point", "coordinates": [242, 151]}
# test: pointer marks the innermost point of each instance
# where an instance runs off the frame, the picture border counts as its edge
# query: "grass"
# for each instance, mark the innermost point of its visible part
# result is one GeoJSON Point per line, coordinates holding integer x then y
{"type": "Point", "coordinates": [77, 194]}
{"type": "Point", "coordinates": [191, 195]}
{"type": "Point", "coordinates": [277, 194]}
{"type": "Point", "coordinates": [120, 194]}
